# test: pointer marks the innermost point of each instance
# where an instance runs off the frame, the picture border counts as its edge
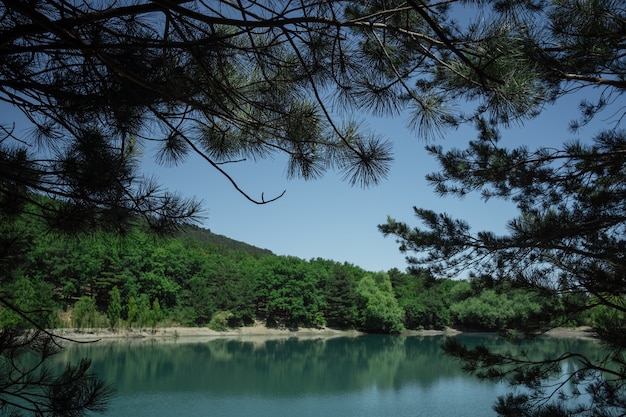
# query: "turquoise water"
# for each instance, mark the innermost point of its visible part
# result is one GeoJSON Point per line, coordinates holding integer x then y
{"type": "Point", "coordinates": [353, 376]}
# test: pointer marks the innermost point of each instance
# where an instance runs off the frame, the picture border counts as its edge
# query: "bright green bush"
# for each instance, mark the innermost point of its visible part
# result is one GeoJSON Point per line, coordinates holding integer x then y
{"type": "Point", "coordinates": [380, 311]}
{"type": "Point", "coordinates": [219, 321]}
{"type": "Point", "coordinates": [84, 313]}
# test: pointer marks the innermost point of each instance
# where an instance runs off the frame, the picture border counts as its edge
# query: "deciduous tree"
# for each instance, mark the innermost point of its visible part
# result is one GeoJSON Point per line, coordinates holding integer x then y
{"type": "Point", "coordinates": [114, 309]}
{"type": "Point", "coordinates": [84, 313]}
{"type": "Point", "coordinates": [380, 311]}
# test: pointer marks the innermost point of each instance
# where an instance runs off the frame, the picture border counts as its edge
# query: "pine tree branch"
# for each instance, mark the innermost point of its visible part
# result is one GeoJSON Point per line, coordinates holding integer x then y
{"type": "Point", "coordinates": [598, 81]}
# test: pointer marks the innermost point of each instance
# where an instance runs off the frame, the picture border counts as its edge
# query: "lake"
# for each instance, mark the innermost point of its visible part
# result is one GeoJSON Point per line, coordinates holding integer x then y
{"type": "Point", "coordinates": [362, 376]}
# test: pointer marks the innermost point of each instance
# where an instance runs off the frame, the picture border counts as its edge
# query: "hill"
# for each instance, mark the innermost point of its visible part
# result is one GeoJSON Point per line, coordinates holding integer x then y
{"type": "Point", "coordinates": [205, 236]}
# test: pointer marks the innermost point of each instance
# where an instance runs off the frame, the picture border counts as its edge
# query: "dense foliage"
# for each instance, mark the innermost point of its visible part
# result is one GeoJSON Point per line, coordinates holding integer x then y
{"type": "Point", "coordinates": [140, 282]}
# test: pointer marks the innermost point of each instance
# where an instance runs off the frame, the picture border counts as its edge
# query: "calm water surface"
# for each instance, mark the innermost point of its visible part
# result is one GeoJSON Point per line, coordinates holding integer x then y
{"type": "Point", "coordinates": [362, 376]}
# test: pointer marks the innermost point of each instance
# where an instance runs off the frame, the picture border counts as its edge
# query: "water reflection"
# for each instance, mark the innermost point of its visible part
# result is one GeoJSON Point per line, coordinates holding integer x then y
{"type": "Point", "coordinates": [291, 367]}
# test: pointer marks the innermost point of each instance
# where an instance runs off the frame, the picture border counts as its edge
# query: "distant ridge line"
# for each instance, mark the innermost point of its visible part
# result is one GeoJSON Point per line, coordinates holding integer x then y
{"type": "Point", "coordinates": [205, 236]}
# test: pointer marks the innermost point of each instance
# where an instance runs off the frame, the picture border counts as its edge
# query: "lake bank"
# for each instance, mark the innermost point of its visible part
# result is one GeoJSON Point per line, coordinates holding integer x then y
{"type": "Point", "coordinates": [199, 332]}
{"type": "Point", "coordinates": [260, 330]}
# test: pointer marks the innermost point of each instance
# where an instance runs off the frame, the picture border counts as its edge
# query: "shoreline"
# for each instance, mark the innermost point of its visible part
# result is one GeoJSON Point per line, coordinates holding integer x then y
{"type": "Point", "coordinates": [198, 332]}
{"type": "Point", "coordinates": [259, 330]}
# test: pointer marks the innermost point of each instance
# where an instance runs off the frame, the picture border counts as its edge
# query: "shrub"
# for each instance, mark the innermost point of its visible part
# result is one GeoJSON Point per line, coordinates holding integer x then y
{"type": "Point", "coordinates": [219, 321]}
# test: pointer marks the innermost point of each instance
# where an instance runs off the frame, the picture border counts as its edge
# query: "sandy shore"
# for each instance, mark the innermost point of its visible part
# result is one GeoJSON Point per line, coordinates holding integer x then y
{"type": "Point", "coordinates": [573, 332]}
{"type": "Point", "coordinates": [259, 330]}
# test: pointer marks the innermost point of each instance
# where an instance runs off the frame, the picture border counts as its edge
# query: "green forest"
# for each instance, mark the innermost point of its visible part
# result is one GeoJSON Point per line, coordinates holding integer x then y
{"type": "Point", "coordinates": [105, 88]}
{"type": "Point", "coordinates": [197, 278]}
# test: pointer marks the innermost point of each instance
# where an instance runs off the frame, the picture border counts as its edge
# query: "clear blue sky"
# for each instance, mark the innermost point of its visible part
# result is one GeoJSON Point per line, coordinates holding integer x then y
{"type": "Point", "coordinates": [328, 218]}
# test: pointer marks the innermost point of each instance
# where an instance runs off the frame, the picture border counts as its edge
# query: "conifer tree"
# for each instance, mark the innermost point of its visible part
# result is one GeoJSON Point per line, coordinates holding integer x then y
{"type": "Point", "coordinates": [567, 241]}
{"type": "Point", "coordinates": [232, 82]}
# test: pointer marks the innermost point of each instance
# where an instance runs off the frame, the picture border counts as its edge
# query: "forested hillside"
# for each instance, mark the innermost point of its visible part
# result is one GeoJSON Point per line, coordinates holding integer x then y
{"type": "Point", "coordinates": [202, 235]}
{"type": "Point", "coordinates": [201, 279]}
